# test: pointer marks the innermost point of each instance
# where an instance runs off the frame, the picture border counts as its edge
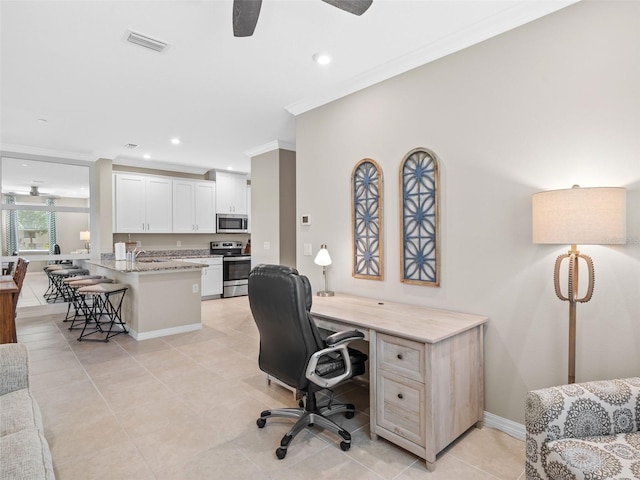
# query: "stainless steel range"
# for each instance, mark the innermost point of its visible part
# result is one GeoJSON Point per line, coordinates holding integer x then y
{"type": "Point", "coordinates": [235, 268]}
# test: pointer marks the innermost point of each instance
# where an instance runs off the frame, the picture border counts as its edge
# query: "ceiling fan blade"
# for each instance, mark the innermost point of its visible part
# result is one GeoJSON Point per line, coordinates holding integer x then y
{"type": "Point", "coordinates": [357, 7]}
{"type": "Point", "coordinates": [245, 17]}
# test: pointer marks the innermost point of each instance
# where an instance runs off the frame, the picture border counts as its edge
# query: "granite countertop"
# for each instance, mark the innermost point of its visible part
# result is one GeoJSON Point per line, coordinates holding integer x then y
{"type": "Point", "coordinates": [147, 264]}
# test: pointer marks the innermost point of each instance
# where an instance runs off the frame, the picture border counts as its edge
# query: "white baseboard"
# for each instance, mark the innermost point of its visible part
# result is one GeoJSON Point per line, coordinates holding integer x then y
{"type": "Point", "coordinates": [165, 331]}
{"type": "Point", "coordinates": [509, 427]}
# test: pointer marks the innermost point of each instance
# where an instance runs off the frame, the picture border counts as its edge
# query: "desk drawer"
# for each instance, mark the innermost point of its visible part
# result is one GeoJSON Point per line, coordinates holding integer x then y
{"type": "Point", "coordinates": [401, 407]}
{"type": "Point", "coordinates": [404, 357]}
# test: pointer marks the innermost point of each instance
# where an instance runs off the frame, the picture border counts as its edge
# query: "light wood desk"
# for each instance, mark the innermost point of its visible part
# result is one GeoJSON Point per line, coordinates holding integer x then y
{"type": "Point", "coordinates": [426, 369]}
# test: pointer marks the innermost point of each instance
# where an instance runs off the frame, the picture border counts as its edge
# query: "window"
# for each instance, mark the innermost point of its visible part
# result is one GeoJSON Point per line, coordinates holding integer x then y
{"type": "Point", "coordinates": [33, 230]}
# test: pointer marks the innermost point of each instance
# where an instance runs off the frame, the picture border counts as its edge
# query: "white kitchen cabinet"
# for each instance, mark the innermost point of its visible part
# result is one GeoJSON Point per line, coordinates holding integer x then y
{"type": "Point", "coordinates": [193, 207]}
{"type": "Point", "coordinates": [143, 204]}
{"type": "Point", "coordinates": [205, 207]}
{"type": "Point", "coordinates": [212, 278]}
{"type": "Point", "coordinates": [231, 193]}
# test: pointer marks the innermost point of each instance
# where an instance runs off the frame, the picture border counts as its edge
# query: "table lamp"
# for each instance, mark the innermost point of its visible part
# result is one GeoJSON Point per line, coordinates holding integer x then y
{"type": "Point", "coordinates": [324, 260]}
{"type": "Point", "coordinates": [592, 216]}
{"type": "Point", "coordinates": [86, 236]}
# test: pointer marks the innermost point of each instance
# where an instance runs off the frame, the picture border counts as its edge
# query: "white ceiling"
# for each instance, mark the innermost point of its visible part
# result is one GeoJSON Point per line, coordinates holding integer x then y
{"type": "Point", "coordinates": [226, 98]}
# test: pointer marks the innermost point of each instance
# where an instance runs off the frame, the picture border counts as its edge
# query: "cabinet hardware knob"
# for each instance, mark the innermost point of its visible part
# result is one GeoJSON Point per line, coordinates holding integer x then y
{"type": "Point", "coordinates": [399, 356]}
{"type": "Point", "coordinates": [400, 396]}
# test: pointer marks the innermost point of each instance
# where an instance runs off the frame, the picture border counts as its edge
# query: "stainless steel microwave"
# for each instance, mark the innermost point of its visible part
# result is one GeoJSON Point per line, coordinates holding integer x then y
{"type": "Point", "coordinates": [231, 223]}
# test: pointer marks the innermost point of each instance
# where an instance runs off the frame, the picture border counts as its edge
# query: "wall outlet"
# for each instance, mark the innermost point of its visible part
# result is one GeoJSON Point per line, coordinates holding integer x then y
{"type": "Point", "coordinates": [178, 243]}
{"type": "Point", "coordinates": [196, 288]}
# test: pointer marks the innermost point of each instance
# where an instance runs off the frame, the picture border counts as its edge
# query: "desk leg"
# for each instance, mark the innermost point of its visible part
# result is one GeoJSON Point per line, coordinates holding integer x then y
{"type": "Point", "coordinates": [373, 385]}
{"type": "Point", "coordinates": [431, 466]}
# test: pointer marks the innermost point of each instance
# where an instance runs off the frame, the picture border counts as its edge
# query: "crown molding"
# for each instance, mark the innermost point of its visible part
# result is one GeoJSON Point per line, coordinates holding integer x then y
{"type": "Point", "coordinates": [270, 147]}
{"type": "Point", "coordinates": [8, 149]}
{"type": "Point", "coordinates": [513, 17]}
{"type": "Point", "coordinates": [156, 165]}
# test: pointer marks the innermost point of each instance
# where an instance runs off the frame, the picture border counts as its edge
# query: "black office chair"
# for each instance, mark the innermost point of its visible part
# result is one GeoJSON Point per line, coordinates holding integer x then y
{"type": "Point", "coordinates": [293, 351]}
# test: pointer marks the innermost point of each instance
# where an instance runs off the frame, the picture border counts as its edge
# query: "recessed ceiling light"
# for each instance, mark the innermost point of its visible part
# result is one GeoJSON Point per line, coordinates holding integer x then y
{"type": "Point", "coordinates": [146, 156]}
{"type": "Point", "coordinates": [322, 58]}
{"type": "Point", "coordinates": [175, 141]}
{"type": "Point", "coordinates": [229, 168]}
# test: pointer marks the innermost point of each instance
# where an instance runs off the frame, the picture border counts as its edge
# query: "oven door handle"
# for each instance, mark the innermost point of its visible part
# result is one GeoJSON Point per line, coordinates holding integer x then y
{"type": "Point", "coordinates": [236, 259]}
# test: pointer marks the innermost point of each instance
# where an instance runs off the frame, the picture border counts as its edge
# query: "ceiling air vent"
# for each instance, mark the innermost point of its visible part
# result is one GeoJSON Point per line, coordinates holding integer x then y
{"type": "Point", "coordinates": [146, 42]}
{"type": "Point", "coordinates": [130, 146]}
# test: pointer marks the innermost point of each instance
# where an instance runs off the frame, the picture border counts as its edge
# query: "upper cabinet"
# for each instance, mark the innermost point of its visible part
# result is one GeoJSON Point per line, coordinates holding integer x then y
{"type": "Point", "coordinates": [154, 204]}
{"type": "Point", "coordinates": [194, 207]}
{"type": "Point", "coordinates": [231, 193]}
{"type": "Point", "coordinates": [143, 204]}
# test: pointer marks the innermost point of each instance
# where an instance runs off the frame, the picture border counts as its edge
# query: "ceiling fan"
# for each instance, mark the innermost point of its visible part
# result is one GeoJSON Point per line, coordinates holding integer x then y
{"type": "Point", "coordinates": [246, 13]}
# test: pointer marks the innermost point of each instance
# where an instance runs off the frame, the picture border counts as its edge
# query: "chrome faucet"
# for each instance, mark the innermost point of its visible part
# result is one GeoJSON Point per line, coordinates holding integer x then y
{"type": "Point", "coordinates": [137, 252]}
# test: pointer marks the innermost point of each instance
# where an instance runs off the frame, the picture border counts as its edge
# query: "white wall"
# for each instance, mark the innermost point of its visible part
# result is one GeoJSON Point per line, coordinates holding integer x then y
{"type": "Point", "coordinates": [544, 106]}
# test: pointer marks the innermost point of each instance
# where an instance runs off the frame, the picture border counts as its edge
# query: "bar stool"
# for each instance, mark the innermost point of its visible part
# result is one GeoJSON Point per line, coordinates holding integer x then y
{"type": "Point", "coordinates": [69, 292]}
{"type": "Point", "coordinates": [48, 269]}
{"type": "Point", "coordinates": [106, 308]}
{"type": "Point", "coordinates": [57, 276]}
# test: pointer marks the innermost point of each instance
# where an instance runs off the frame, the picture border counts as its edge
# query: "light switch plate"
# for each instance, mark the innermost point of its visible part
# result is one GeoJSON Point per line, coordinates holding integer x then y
{"type": "Point", "coordinates": [308, 249]}
{"type": "Point", "coordinates": [267, 245]}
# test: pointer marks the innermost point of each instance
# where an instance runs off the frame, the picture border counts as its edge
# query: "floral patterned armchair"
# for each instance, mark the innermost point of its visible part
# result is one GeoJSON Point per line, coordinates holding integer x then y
{"type": "Point", "coordinates": [584, 431]}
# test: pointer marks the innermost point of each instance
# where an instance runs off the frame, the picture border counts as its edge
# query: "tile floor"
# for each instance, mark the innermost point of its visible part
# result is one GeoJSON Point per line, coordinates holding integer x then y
{"type": "Point", "coordinates": [184, 407]}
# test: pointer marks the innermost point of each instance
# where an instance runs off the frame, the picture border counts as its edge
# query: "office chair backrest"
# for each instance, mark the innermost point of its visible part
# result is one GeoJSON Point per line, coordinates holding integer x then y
{"type": "Point", "coordinates": [280, 301]}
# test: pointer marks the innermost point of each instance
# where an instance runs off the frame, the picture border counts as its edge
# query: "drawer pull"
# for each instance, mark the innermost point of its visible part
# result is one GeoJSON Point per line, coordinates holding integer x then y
{"type": "Point", "coordinates": [399, 356]}
{"type": "Point", "coordinates": [400, 396]}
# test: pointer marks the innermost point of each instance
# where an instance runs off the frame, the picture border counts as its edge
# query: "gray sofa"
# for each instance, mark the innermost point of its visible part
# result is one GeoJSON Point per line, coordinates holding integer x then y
{"type": "Point", "coordinates": [24, 452]}
{"type": "Point", "coordinates": [584, 431]}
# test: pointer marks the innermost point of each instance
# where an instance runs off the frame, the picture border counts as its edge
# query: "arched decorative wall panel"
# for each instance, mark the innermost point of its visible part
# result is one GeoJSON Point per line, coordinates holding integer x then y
{"type": "Point", "coordinates": [366, 220]}
{"type": "Point", "coordinates": [419, 214]}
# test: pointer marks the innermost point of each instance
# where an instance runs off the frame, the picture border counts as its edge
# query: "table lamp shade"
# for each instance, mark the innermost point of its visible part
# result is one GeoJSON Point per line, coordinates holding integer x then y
{"type": "Point", "coordinates": [85, 235]}
{"type": "Point", "coordinates": [585, 216]}
{"type": "Point", "coordinates": [323, 258]}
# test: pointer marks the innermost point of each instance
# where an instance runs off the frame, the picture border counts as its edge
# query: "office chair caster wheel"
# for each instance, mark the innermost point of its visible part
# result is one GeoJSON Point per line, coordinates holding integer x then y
{"type": "Point", "coordinates": [281, 453]}
{"type": "Point", "coordinates": [349, 414]}
{"type": "Point", "coordinates": [345, 446]}
{"type": "Point", "coordinates": [261, 422]}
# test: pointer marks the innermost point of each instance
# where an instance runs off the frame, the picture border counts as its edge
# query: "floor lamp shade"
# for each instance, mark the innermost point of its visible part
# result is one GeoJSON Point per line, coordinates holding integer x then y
{"type": "Point", "coordinates": [585, 216]}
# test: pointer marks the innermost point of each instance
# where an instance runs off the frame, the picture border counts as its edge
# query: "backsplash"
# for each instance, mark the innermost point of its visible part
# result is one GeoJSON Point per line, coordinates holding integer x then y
{"type": "Point", "coordinates": [180, 253]}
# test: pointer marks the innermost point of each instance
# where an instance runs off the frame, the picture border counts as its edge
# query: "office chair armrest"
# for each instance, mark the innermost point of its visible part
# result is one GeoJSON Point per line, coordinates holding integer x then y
{"type": "Point", "coordinates": [339, 338]}
{"type": "Point", "coordinates": [336, 342]}
{"type": "Point", "coordinates": [313, 376]}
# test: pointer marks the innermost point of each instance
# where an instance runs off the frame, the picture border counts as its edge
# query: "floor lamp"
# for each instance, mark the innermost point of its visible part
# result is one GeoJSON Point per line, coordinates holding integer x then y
{"type": "Point", "coordinates": [592, 216]}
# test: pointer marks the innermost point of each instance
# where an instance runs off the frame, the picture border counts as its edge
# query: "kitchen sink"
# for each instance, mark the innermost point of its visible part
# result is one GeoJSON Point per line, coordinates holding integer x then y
{"type": "Point", "coordinates": [152, 260]}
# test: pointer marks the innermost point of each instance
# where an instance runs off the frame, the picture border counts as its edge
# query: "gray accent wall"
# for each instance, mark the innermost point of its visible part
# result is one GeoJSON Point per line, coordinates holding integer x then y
{"type": "Point", "coordinates": [550, 104]}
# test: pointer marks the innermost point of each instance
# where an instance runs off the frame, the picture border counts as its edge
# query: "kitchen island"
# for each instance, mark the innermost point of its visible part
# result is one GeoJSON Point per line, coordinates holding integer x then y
{"type": "Point", "coordinates": [163, 296]}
